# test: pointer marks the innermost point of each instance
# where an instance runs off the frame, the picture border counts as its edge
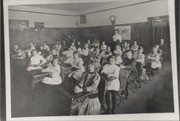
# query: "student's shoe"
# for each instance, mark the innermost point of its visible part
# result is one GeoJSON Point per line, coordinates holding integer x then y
{"type": "Point", "coordinates": [113, 111]}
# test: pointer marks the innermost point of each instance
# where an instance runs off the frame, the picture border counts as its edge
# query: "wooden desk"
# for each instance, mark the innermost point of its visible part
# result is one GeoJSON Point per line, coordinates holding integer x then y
{"type": "Point", "coordinates": [76, 100]}
{"type": "Point", "coordinates": [38, 76]}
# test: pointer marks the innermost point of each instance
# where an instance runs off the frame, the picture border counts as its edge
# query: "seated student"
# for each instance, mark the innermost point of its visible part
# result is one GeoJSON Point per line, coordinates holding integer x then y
{"type": "Point", "coordinates": [125, 46]}
{"type": "Point", "coordinates": [64, 46]}
{"type": "Point", "coordinates": [49, 56]}
{"type": "Point", "coordinates": [111, 75]}
{"type": "Point", "coordinates": [73, 47]}
{"type": "Point", "coordinates": [154, 60]}
{"type": "Point", "coordinates": [129, 67]}
{"type": "Point", "coordinates": [134, 48]}
{"type": "Point", "coordinates": [35, 61]}
{"type": "Point", "coordinates": [129, 63]}
{"type": "Point", "coordinates": [68, 55]}
{"type": "Point", "coordinates": [106, 55]}
{"type": "Point", "coordinates": [55, 51]}
{"type": "Point", "coordinates": [45, 46]}
{"type": "Point", "coordinates": [95, 59]}
{"type": "Point", "coordinates": [118, 53]}
{"type": "Point", "coordinates": [41, 49]}
{"type": "Point", "coordinates": [15, 49]}
{"type": "Point", "coordinates": [159, 51]}
{"type": "Point", "coordinates": [57, 47]}
{"type": "Point", "coordinates": [103, 46]}
{"type": "Point", "coordinates": [55, 78]}
{"type": "Point", "coordinates": [164, 48]}
{"type": "Point", "coordinates": [32, 47]}
{"type": "Point", "coordinates": [19, 55]}
{"type": "Point", "coordinates": [77, 67]}
{"type": "Point", "coordinates": [89, 44]}
{"type": "Point", "coordinates": [85, 50]}
{"type": "Point", "coordinates": [95, 44]}
{"type": "Point", "coordinates": [89, 83]}
{"type": "Point", "coordinates": [78, 46]}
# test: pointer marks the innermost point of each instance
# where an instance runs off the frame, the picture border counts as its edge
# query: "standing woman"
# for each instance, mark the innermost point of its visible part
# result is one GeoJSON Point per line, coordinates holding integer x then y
{"type": "Point", "coordinates": [117, 39]}
{"type": "Point", "coordinates": [111, 75]}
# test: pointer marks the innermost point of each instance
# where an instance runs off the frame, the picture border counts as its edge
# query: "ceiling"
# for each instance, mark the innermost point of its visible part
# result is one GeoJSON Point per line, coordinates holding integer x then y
{"type": "Point", "coordinates": [76, 7]}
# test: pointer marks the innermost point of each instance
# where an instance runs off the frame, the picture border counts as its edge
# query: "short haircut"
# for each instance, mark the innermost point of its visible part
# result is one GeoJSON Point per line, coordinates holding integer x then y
{"type": "Point", "coordinates": [116, 30]}
{"type": "Point", "coordinates": [110, 57]}
{"type": "Point", "coordinates": [128, 51]}
{"type": "Point", "coordinates": [76, 52]}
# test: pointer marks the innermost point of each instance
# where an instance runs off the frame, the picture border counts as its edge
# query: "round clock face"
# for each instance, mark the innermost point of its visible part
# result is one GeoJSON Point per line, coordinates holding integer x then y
{"type": "Point", "coordinates": [112, 18]}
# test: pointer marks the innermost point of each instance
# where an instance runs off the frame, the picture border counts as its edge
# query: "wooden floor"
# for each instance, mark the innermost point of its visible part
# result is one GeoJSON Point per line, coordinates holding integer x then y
{"type": "Point", "coordinates": [48, 101]}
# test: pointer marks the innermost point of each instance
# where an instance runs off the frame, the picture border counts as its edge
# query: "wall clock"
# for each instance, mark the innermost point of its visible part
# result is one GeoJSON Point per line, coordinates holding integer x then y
{"type": "Point", "coordinates": [113, 19]}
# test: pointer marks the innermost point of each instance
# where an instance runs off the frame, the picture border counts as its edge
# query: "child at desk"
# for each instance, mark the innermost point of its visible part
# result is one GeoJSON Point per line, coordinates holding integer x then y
{"type": "Point", "coordinates": [55, 69]}
{"type": "Point", "coordinates": [35, 61]}
{"type": "Point", "coordinates": [77, 67]}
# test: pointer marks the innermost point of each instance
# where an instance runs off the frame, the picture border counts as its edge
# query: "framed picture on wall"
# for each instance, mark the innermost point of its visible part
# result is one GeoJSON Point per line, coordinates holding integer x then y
{"type": "Point", "coordinates": [19, 24]}
{"type": "Point", "coordinates": [125, 32]}
{"type": "Point", "coordinates": [39, 25]}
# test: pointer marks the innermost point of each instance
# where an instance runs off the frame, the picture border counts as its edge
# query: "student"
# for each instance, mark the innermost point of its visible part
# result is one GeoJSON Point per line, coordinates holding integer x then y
{"type": "Point", "coordinates": [55, 69]}
{"type": "Point", "coordinates": [118, 53]}
{"type": "Point", "coordinates": [106, 55]}
{"type": "Point", "coordinates": [164, 48]}
{"type": "Point", "coordinates": [129, 63]}
{"type": "Point", "coordinates": [85, 50]}
{"type": "Point", "coordinates": [154, 60]}
{"type": "Point", "coordinates": [134, 48]}
{"type": "Point", "coordinates": [64, 46]}
{"type": "Point", "coordinates": [35, 61]}
{"type": "Point", "coordinates": [78, 46]}
{"type": "Point", "coordinates": [32, 47]}
{"type": "Point", "coordinates": [68, 55]}
{"type": "Point", "coordinates": [140, 59]}
{"type": "Point", "coordinates": [159, 51]}
{"type": "Point", "coordinates": [73, 47]}
{"type": "Point", "coordinates": [19, 54]}
{"type": "Point", "coordinates": [55, 51]}
{"type": "Point", "coordinates": [111, 75]}
{"type": "Point", "coordinates": [95, 59]}
{"type": "Point", "coordinates": [129, 66]}
{"type": "Point", "coordinates": [49, 57]}
{"type": "Point", "coordinates": [125, 46]}
{"type": "Point", "coordinates": [77, 67]}
{"type": "Point", "coordinates": [15, 49]}
{"type": "Point", "coordinates": [95, 44]}
{"type": "Point", "coordinates": [89, 44]}
{"type": "Point", "coordinates": [103, 47]}
{"type": "Point", "coordinates": [45, 46]}
{"type": "Point", "coordinates": [89, 83]}
{"type": "Point", "coordinates": [41, 50]}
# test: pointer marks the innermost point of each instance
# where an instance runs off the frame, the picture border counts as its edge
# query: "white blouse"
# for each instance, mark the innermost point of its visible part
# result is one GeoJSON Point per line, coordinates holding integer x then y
{"type": "Point", "coordinates": [112, 70]}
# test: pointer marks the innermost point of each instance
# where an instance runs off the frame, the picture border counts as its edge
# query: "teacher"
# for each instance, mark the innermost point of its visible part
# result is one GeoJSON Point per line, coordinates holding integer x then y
{"type": "Point", "coordinates": [117, 39]}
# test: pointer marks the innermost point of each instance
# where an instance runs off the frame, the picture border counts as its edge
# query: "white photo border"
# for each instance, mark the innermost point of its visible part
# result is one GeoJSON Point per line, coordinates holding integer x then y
{"type": "Point", "coordinates": [148, 116]}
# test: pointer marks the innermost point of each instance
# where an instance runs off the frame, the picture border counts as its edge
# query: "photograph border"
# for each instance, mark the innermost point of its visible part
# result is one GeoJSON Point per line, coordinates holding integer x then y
{"type": "Point", "coordinates": [149, 116]}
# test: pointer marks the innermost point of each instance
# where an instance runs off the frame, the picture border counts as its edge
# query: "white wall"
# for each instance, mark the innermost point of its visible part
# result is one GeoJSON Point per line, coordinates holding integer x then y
{"type": "Point", "coordinates": [126, 15]}
{"type": "Point", "coordinates": [50, 21]}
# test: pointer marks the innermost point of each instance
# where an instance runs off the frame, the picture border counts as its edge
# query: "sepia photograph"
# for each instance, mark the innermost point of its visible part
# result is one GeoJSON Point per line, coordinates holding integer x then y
{"type": "Point", "coordinates": [90, 60]}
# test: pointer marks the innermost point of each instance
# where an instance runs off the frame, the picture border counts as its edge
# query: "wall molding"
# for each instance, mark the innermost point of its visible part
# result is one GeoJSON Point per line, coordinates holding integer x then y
{"type": "Point", "coordinates": [42, 12]}
{"type": "Point", "coordinates": [98, 11]}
